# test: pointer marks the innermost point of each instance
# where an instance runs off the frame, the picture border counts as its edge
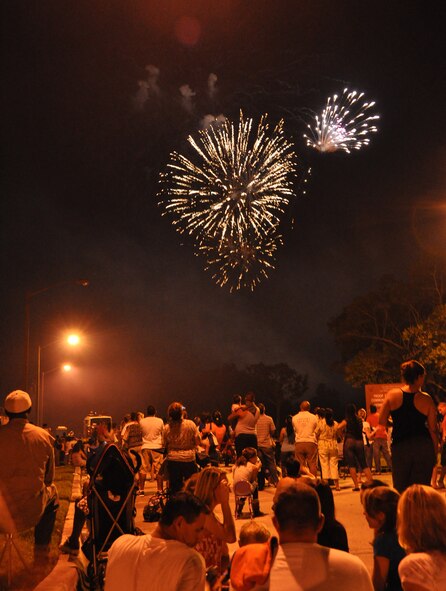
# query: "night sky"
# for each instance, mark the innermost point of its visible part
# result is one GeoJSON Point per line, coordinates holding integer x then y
{"type": "Point", "coordinates": [81, 163]}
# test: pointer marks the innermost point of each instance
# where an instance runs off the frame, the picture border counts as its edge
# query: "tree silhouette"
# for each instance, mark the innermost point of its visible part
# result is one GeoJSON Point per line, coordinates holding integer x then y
{"type": "Point", "coordinates": [277, 385]}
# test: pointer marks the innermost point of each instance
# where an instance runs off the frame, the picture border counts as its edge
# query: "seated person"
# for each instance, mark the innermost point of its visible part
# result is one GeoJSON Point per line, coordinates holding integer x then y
{"type": "Point", "coordinates": [247, 467]}
{"type": "Point", "coordinates": [253, 533]}
{"type": "Point", "coordinates": [298, 520]}
{"type": "Point", "coordinates": [166, 558]}
{"type": "Point", "coordinates": [333, 534]}
{"type": "Point", "coordinates": [28, 495]}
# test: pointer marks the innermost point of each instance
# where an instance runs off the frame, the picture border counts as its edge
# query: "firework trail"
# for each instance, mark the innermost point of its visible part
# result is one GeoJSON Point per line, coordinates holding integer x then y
{"type": "Point", "coordinates": [344, 124]}
{"type": "Point", "coordinates": [230, 195]}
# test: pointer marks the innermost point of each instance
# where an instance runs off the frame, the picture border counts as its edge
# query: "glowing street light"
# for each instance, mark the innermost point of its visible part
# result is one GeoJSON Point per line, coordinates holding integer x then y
{"type": "Point", "coordinates": [73, 340]}
{"type": "Point", "coordinates": [65, 368]}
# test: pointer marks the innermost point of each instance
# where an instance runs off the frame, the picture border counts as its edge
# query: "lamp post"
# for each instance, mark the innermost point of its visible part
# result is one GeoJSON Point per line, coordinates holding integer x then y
{"type": "Point", "coordinates": [72, 340]}
{"type": "Point", "coordinates": [28, 297]}
{"type": "Point", "coordinates": [66, 367]}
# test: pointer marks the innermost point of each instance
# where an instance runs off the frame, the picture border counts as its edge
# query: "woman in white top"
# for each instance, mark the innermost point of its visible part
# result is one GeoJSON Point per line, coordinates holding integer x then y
{"type": "Point", "coordinates": [366, 437]}
{"type": "Point", "coordinates": [421, 525]}
{"type": "Point", "coordinates": [286, 440]}
{"type": "Point", "coordinates": [328, 447]}
{"type": "Point", "coordinates": [180, 439]}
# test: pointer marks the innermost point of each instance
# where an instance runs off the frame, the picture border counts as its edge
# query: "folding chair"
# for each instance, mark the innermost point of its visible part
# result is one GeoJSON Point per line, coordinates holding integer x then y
{"type": "Point", "coordinates": [243, 492]}
{"type": "Point", "coordinates": [9, 546]}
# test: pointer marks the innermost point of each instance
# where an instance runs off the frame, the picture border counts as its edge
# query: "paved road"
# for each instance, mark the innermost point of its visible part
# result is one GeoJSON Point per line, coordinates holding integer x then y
{"type": "Point", "coordinates": [348, 512]}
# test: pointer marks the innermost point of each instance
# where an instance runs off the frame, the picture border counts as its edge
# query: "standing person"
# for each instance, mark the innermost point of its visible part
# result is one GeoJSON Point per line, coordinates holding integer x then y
{"type": "Point", "coordinates": [381, 446]}
{"type": "Point", "coordinates": [218, 428]}
{"type": "Point", "coordinates": [164, 560]}
{"type": "Point", "coordinates": [414, 444]}
{"type": "Point", "coordinates": [287, 443]}
{"type": "Point", "coordinates": [380, 505]}
{"type": "Point", "coordinates": [266, 430]}
{"type": "Point", "coordinates": [211, 486]}
{"type": "Point", "coordinates": [132, 442]}
{"type": "Point", "coordinates": [354, 453]}
{"type": "Point", "coordinates": [373, 416]}
{"type": "Point", "coordinates": [78, 456]}
{"type": "Point", "coordinates": [305, 425]}
{"type": "Point", "coordinates": [442, 411]}
{"type": "Point", "coordinates": [421, 526]}
{"type": "Point", "coordinates": [28, 495]}
{"type": "Point", "coordinates": [245, 431]}
{"type": "Point", "coordinates": [328, 448]}
{"type": "Point", "coordinates": [152, 447]}
{"type": "Point", "coordinates": [367, 440]}
{"type": "Point", "coordinates": [180, 439]}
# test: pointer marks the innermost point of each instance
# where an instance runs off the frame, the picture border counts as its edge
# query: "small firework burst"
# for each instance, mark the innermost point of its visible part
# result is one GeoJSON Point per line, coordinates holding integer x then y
{"type": "Point", "coordinates": [229, 196]}
{"type": "Point", "coordinates": [344, 124]}
{"type": "Point", "coordinates": [241, 264]}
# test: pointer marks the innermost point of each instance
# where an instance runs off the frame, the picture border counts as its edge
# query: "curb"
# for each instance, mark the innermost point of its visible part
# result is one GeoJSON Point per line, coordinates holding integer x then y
{"type": "Point", "coordinates": [64, 576]}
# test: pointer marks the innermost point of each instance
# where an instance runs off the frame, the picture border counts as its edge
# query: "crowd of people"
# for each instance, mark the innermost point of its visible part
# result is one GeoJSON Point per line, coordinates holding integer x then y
{"type": "Point", "coordinates": [191, 459]}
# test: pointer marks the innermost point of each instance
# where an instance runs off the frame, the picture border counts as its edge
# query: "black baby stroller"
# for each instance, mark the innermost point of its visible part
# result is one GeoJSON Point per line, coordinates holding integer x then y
{"type": "Point", "coordinates": [111, 503]}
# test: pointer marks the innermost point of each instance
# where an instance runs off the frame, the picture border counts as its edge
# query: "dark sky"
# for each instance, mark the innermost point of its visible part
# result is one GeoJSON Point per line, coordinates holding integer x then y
{"type": "Point", "coordinates": [80, 169]}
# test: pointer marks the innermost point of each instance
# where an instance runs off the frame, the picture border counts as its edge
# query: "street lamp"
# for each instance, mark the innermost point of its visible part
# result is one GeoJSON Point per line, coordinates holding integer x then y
{"type": "Point", "coordinates": [28, 297]}
{"type": "Point", "coordinates": [73, 340]}
{"type": "Point", "coordinates": [66, 367]}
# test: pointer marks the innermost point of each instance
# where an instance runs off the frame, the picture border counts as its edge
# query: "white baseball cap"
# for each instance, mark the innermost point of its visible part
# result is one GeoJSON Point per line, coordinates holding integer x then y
{"type": "Point", "coordinates": [17, 401]}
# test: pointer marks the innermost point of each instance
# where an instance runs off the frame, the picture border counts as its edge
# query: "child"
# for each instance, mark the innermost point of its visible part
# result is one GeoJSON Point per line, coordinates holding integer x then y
{"type": "Point", "coordinates": [253, 533]}
{"type": "Point", "coordinates": [380, 506]}
{"type": "Point", "coordinates": [247, 467]}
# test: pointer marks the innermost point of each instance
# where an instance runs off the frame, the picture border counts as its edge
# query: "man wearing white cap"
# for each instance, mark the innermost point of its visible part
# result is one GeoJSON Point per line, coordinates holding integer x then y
{"type": "Point", "coordinates": [28, 496]}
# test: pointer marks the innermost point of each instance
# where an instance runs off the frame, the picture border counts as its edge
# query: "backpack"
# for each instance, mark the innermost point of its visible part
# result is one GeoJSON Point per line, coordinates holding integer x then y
{"type": "Point", "coordinates": [155, 505]}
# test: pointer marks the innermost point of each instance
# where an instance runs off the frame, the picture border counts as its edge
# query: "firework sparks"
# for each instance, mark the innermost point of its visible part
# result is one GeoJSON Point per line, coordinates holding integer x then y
{"type": "Point", "coordinates": [344, 124]}
{"type": "Point", "coordinates": [230, 195]}
{"type": "Point", "coordinates": [241, 264]}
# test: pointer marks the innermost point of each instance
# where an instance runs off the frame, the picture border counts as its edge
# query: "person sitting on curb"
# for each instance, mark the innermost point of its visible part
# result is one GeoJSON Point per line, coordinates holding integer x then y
{"type": "Point", "coordinates": [28, 495]}
{"type": "Point", "coordinates": [298, 557]}
{"type": "Point", "coordinates": [164, 560]}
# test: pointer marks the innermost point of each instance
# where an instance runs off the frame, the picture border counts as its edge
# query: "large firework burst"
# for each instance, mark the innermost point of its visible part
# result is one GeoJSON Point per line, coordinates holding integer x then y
{"type": "Point", "coordinates": [344, 124]}
{"type": "Point", "coordinates": [232, 191]}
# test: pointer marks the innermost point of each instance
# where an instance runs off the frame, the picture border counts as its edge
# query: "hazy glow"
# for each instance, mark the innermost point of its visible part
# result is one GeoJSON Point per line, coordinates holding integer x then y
{"type": "Point", "coordinates": [230, 195]}
{"type": "Point", "coordinates": [344, 124]}
{"type": "Point", "coordinates": [66, 367]}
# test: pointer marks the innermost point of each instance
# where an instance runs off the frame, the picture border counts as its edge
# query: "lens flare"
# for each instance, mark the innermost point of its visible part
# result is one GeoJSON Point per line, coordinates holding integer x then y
{"type": "Point", "coordinates": [344, 124]}
{"type": "Point", "coordinates": [230, 194]}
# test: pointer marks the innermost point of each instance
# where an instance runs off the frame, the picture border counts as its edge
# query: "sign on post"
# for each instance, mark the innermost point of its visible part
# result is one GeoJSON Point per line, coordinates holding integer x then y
{"type": "Point", "coordinates": [375, 393]}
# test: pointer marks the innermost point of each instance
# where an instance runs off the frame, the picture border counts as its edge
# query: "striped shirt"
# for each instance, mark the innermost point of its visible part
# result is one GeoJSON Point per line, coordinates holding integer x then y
{"type": "Point", "coordinates": [265, 428]}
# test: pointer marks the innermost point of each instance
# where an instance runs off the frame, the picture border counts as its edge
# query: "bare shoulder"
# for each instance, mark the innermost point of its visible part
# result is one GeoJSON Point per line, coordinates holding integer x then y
{"type": "Point", "coordinates": [392, 400]}
{"type": "Point", "coordinates": [424, 401]}
{"type": "Point", "coordinates": [394, 393]}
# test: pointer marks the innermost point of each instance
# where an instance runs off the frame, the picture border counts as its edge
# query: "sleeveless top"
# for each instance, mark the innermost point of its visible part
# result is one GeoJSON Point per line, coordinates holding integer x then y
{"type": "Point", "coordinates": [408, 422]}
{"type": "Point", "coordinates": [353, 429]}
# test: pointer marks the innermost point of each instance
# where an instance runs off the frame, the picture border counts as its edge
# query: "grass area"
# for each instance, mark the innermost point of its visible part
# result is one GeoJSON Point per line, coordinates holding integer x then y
{"type": "Point", "coordinates": [23, 580]}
